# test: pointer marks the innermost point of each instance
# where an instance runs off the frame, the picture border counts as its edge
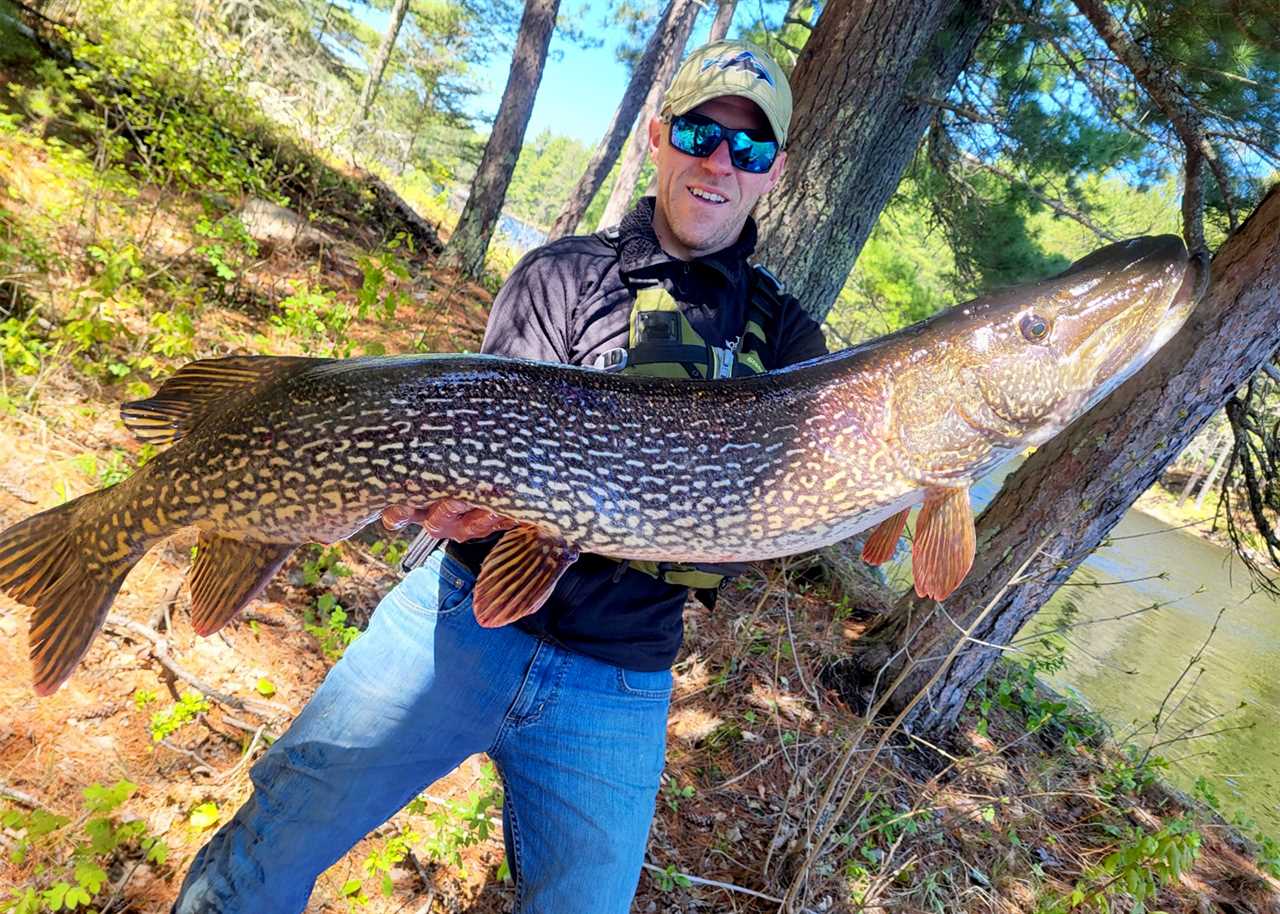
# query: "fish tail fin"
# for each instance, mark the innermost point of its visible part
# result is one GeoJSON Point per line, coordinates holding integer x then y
{"type": "Point", "coordinates": [44, 565]}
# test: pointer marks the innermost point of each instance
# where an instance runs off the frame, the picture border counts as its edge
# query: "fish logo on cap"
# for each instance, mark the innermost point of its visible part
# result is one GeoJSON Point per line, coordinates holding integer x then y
{"type": "Point", "coordinates": [742, 61]}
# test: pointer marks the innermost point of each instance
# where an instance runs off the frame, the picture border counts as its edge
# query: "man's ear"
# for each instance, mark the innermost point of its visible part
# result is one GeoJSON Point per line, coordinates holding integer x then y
{"type": "Point", "coordinates": [775, 173]}
{"type": "Point", "coordinates": [655, 137]}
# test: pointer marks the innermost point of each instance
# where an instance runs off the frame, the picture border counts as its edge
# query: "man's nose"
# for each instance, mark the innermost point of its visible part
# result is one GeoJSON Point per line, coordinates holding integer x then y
{"type": "Point", "coordinates": [719, 162]}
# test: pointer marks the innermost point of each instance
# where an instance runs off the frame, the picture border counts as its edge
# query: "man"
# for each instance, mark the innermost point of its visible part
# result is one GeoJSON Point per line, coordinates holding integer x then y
{"type": "Point", "coordinates": [571, 701]}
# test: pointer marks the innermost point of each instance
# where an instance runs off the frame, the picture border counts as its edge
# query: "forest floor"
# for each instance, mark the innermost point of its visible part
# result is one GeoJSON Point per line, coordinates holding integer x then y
{"type": "Point", "coordinates": [110, 279]}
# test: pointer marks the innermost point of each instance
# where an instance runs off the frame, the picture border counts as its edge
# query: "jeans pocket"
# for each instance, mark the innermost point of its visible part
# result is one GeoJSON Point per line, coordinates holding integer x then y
{"type": "Point", "coordinates": [439, 587]}
{"type": "Point", "coordinates": [655, 685]}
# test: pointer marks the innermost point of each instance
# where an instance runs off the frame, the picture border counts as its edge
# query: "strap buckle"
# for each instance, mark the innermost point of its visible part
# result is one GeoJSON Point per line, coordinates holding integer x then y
{"type": "Point", "coordinates": [422, 546]}
{"type": "Point", "coordinates": [612, 359]}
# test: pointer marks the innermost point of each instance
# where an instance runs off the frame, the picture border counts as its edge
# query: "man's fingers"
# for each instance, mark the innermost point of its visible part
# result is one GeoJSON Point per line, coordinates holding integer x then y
{"type": "Point", "coordinates": [448, 518]}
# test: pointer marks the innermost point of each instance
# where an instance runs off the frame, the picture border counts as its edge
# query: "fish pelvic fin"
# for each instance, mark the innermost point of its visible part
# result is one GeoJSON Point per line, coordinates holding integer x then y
{"type": "Point", "coordinates": [44, 565]}
{"type": "Point", "coordinates": [883, 541]}
{"type": "Point", "coordinates": [184, 400]}
{"type": "Point", "coordinates": [227, 574]}
{"type": "Point", "coordinates": [945, 542]}
{"type": "Point", "coordinates": [519, 574]}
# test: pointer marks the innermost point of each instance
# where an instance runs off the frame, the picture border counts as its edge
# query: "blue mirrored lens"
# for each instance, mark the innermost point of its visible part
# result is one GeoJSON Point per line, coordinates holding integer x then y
{"type": "Point", "coordinates": [699, 136]}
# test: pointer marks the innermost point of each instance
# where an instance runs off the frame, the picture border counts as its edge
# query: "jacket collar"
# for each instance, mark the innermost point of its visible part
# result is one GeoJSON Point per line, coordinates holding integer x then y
{"type": "Point", "coordinates": [640, 252]}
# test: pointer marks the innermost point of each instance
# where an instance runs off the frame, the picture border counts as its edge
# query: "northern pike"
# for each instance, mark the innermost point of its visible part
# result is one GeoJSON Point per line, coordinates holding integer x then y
{"type": "Point", "coordinates": [269, 453]}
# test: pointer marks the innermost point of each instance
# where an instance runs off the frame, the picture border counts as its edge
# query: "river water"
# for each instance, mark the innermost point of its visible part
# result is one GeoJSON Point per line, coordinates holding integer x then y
{"type": "Point", "coordinates": [1123, 668]}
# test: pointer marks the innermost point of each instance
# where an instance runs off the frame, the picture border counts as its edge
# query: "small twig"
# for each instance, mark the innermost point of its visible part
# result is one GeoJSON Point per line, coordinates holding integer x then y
{"type": "Point", "coordinates": [190, 753]}
{"type": "Point", "coordinates": [715, 884]}
{"type": "Point", "coordinates": [160, 650]}
{"type": "Point", "coordinates": [17, 796]}
{"type": "Point", "coordinates": [244, 759]}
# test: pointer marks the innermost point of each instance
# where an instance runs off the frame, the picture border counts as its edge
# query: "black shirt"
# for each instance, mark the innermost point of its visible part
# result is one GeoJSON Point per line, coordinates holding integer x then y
{"type": "Point", "coordinates": [570, 301]}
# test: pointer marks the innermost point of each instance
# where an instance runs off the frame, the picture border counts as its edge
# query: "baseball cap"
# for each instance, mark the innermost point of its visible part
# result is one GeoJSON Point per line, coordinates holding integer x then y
{"type": "Point", "coordinates": [732, 68]}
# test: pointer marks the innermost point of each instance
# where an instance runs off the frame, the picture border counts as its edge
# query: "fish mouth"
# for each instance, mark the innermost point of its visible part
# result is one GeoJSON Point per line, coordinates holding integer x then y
{"type": "Point", "coordinates": [1149, 300]}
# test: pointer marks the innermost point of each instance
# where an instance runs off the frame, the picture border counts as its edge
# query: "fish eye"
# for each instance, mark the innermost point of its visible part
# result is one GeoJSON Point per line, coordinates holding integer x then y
{"type": "Point", "coordinates": [1035, 328]}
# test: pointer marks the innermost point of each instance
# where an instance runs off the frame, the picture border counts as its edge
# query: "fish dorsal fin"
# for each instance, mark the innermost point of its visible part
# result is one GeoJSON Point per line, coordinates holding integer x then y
{"type": "Point", "coordinates": [519, 574]}
{"type": "Point", "coordinates": [184, 399]}
{"type": "Point", "coordinates": [227, 574]}
{"type": "Point", "coordinates": [883, 541]}
{"type": "Point", "coordinates": [945, 542]}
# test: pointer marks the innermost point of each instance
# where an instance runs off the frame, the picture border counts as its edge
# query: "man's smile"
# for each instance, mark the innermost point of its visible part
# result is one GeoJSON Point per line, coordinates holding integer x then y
{"type": "Point", "coordinates": [707, 196]}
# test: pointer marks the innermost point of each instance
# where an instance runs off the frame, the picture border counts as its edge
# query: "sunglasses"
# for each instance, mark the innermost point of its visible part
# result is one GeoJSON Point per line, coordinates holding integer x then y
{"type": "Point", "coordinates": [749, 150]}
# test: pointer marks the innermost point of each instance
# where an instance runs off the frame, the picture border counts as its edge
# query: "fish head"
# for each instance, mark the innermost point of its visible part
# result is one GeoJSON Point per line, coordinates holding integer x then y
{"type": "Point", "coordinates": [1038, 357]}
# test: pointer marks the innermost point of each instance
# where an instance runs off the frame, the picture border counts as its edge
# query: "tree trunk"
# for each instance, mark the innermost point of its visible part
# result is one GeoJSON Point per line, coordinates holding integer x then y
{"type": "Point", "coordinates": [616, 134]}
{"type": "Point", "coordinates": [466, 248]}
{"type": "Point", "coordinates": [859, 114]}
{"type": "Point", "coordinates": [1060, 504]}
{"type": "Point", "coordinates": [674, 40]}
{"type": "Point", "coordinates": [724, 19]}
{"type": "Point", "coordinates": [379, 65]}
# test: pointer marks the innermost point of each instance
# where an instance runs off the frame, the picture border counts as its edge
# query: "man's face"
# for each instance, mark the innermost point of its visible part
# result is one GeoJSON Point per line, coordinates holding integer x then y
{"type": "Point", "coordinates": [690, 224]}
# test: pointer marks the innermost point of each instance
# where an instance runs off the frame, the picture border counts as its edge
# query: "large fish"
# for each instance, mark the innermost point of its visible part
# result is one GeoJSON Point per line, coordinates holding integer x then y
{"type": "Point", "coordinates": [269, 453]}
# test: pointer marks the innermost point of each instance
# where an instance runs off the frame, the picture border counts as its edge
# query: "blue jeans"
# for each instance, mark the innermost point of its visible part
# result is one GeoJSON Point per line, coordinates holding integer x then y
{"type": "Point", "coordinates": [579, 744]}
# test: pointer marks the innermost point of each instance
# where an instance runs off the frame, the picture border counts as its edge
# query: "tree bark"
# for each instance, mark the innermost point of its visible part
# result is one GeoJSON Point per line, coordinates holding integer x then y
{"type": "Point", "coordinates": [724, 19]}
{"type": "Point", "coordinates": [673, 42]}
{"type": "Point", "coordinates": [616, 134]}
{"type": "Point", "coordinates": [1060, 504]}
{"type": "Point", "coordinates": [379, 65]}
{"type": "Point", "coordinates": [466, 248]}
{"type": "Point", "coordinates": [855, 128]}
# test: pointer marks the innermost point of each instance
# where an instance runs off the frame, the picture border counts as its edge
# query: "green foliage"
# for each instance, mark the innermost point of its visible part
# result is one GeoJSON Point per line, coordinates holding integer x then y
{"type": "Point", "coordinates": [547, 170]}
{"type": "Point", "coordinates": [462, 823]}
{"type": "Point", "coordinates": [673, 793]}
{"type": "Point", "coordinates": [902, 274]}
{"type": "Point", "coordinates": [390, 551]}
{"type": "Point", "coordinates": [167, 722]}
{"type": "Point", "coordinates": [1141, 863]}
{"type": "Point", "coordinates": [1267, 849]}
{"type": "Point", "coordinates": [669, 879]}
{"type": "Point", "coordinates": [456, 825]}
{"type": "Point", "coordinates": [107, 472]}
{"type": "Point", "coordinates": [323, 563]}
{"type": "Point", "coordinates": [380, 272]}
{"type": "Point", "coordinates": [70, 862]}
{"type": "Point", "coordinates": [1132, 773]}
{"type": "Point", "coordinates": [227, 247]}
{"type": "Point", "coordinates": [1015, 688]}
{"type": "Point", "coordinates": [328, 623]}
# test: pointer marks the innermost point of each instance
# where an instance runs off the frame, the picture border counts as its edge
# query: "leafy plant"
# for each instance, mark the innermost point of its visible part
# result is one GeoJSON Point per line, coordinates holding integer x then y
{"type": "Point", "coordinates": [328, 623]}
{"type": "Point", "coordinates": [1141, 864]}
{"type": "Point", "coordinates": [165, 723]}
{"type": "Point", "coordinates": [390, 551]}
{"type": "Point", "coordinates": [70, 862]}
{"type": "Point", "coordinates": [669, 879]}
{"type": "Point", "coordinates": [462, 823]}
{"type": "Point", "coordinates": [323, 561]}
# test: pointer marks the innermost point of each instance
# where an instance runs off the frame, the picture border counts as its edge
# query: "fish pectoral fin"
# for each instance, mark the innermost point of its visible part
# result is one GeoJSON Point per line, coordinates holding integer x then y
{"type": "Point", "coordinates": [883, 541]}
{"type": "Point", "coordinates": [945, 542]}
{"type": "Point", "coordinates": [227, 574]}
{"type": "Point", "coordinates": [519, 574]}
{"type": "Point", "coordinates": [184, 399]}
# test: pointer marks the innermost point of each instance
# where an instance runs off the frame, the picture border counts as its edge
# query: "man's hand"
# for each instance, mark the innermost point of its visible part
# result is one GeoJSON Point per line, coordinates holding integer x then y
{"type": "Point", "coordinates": [448, 519]}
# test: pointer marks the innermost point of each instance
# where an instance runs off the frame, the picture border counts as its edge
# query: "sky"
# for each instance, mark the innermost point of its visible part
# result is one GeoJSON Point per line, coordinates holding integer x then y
{"type": "Point", "coordinates": [581, 87]}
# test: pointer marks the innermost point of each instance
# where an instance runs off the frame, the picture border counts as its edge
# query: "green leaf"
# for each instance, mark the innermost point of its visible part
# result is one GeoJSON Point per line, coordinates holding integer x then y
{"type": "Point", "coordinates": [90, 876]}
{"type": "Point", "coordinates": [265, 687]}
{"type": "Point", "coordinates": [54, 895]}
{"type": "Point", "coordinates": [349, 888]}
{"type": "Point", "coordinates": [204, 815]}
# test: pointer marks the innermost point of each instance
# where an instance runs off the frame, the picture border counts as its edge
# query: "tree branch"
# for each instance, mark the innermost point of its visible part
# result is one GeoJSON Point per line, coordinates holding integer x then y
{"type": "Point", "coordinates": [1054, 204]}
{"type": "Point", "coordinates": [1181, 113]}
